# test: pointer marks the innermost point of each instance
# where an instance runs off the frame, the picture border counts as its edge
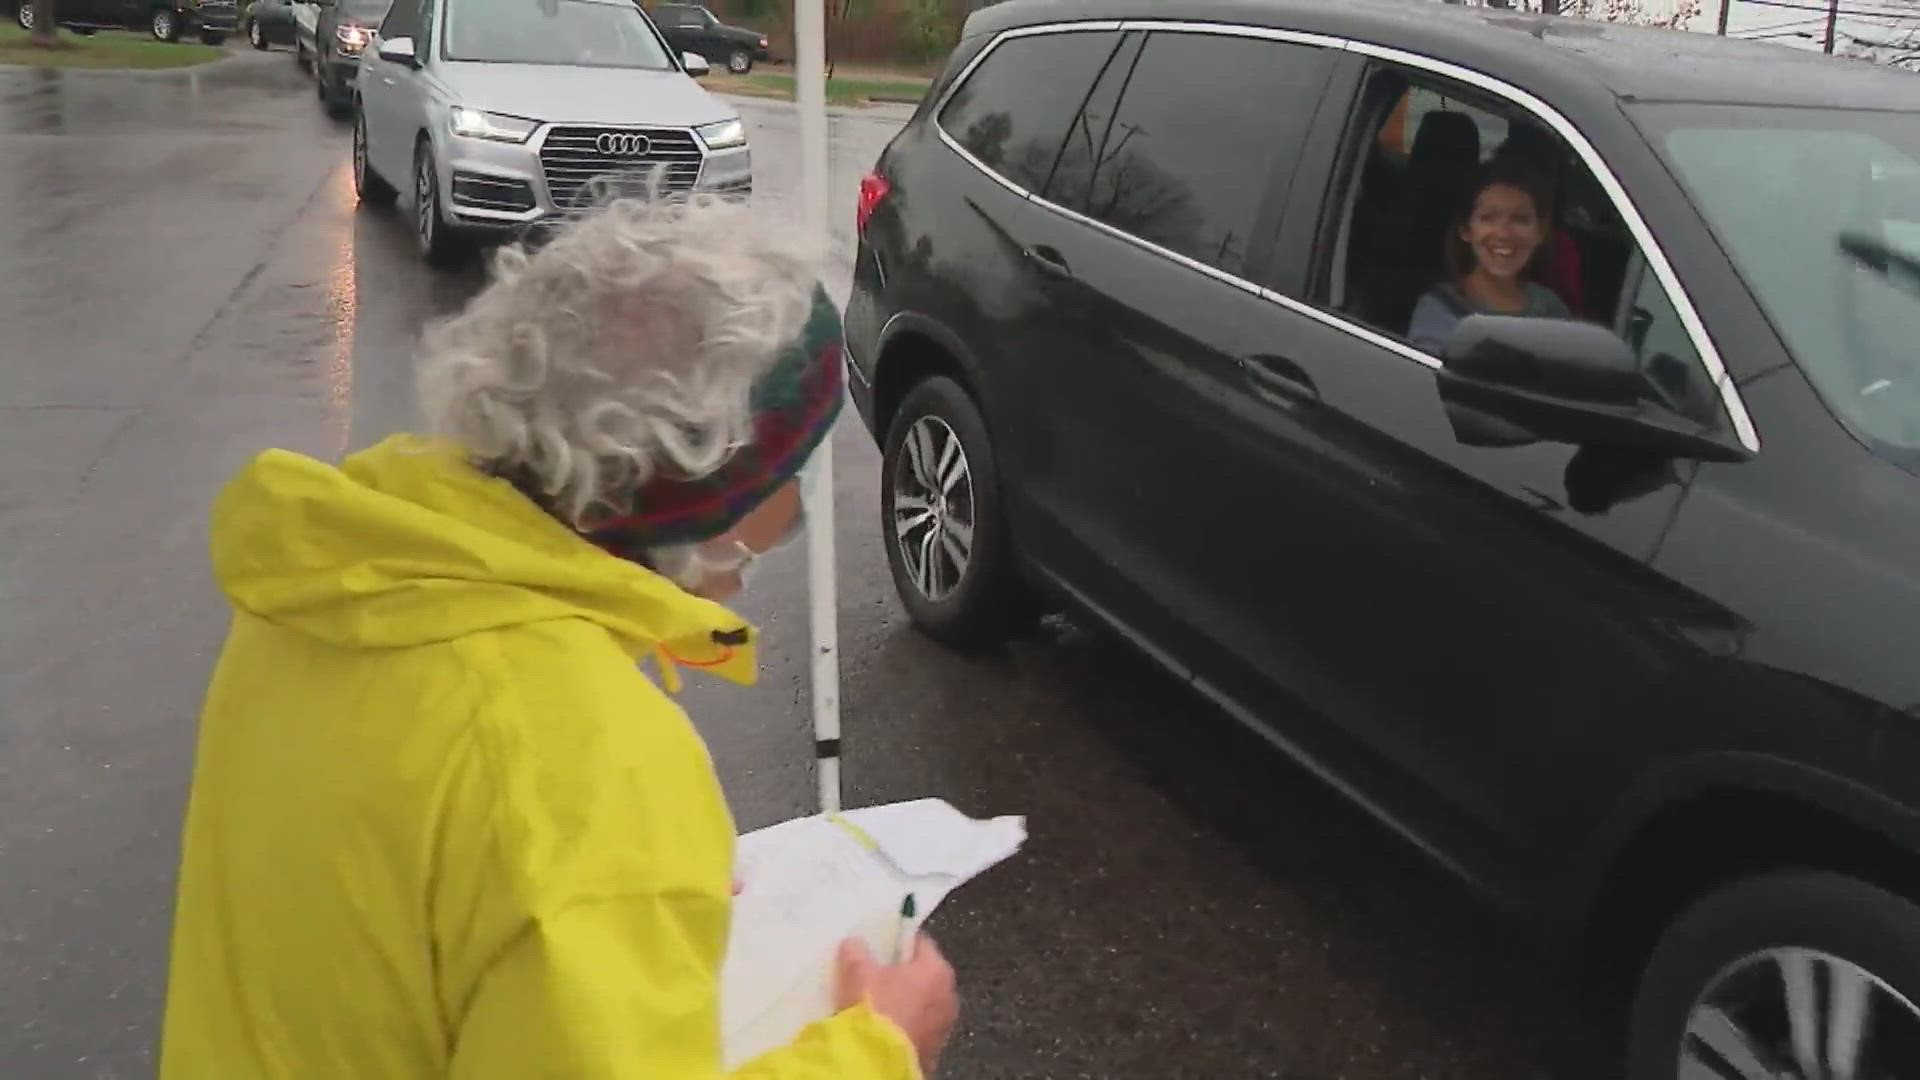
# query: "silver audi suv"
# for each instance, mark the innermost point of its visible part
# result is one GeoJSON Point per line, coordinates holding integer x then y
{"type": "Point", "coordinates": [507, 115]}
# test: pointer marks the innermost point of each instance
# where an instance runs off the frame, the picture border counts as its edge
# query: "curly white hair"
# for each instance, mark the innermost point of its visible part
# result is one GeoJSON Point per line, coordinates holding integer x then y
{"type": "Point", "coordinates": [627, 345]}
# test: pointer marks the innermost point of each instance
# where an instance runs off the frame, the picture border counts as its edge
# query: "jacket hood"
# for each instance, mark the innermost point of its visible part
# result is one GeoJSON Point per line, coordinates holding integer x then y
{"type": "Point", "coordinates": [408, 544]}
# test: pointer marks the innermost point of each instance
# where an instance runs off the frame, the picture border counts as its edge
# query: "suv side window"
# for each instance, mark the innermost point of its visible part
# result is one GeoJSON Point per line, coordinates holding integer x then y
{"type": "Point", "coordinates": [1013, 111]}
{"type": "Point", "coordinates": [1187, 163]}
{"type": "Point", "coordinates": [1402, 248]}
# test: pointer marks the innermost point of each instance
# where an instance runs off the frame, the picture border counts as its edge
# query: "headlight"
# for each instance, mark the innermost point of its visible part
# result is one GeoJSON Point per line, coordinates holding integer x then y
{"type": "Point", "coordinates": [474, 124]}
{"type": "Point", "coordinates": [353, 38]}
{"type": "Point", "coordinates": [724, 135]}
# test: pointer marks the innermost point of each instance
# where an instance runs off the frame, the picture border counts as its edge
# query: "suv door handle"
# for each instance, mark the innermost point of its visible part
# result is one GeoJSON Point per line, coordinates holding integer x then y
{"type": "Point", "coordinates": [1278, 377]}
{"type": "Point", "coordinates": [1049, 261]}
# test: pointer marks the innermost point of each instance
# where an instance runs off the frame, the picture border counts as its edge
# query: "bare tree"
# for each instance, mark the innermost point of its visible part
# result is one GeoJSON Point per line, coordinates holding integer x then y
{"type": "Point", "coordinates": [1890, 35]}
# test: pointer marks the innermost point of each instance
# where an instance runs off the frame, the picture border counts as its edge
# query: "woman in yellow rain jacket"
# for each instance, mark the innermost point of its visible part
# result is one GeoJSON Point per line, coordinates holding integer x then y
{"type": "Point", "coordinates": [442, 825]}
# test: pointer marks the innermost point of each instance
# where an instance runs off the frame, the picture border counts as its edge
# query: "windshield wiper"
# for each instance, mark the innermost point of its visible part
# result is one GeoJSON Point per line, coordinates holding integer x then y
{"type": "Point", "coordinates": [1901, 269]}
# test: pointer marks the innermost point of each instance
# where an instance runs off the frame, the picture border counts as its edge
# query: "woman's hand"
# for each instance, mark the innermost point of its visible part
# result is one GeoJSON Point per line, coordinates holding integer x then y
{"type": "Point", "coordinates": [918, 996]}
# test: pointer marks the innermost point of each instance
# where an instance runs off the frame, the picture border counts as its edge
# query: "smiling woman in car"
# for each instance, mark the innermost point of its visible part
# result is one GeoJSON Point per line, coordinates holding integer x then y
{"type": "Point", "coordinates": [1490, 255]}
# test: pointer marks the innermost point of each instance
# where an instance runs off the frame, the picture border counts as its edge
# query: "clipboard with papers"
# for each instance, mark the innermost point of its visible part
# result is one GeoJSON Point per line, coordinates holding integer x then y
{"type": "Point", "coordinates": [812, 882]}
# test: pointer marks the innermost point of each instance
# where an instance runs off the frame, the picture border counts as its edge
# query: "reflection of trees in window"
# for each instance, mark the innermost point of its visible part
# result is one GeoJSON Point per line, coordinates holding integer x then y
{"type": "Point", "coordinates": [1130, 191]}
{"type": "Point", "coordinates": [986, 139]}
{"type": "Point", "coordinates": [1126, 188]}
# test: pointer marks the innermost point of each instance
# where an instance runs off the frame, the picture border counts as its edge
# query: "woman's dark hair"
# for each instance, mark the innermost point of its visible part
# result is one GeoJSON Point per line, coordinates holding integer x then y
{"type": "Point", "coordinates": [1507, 170]}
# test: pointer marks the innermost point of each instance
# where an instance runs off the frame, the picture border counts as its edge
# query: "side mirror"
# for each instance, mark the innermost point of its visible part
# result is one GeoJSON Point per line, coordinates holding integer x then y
{"type": "Point", "coordinates": [1511, 380]}
{"type": "Point", "coordinates": [695, 64]}
{"type": "Point", "coordinates": [399, 51]}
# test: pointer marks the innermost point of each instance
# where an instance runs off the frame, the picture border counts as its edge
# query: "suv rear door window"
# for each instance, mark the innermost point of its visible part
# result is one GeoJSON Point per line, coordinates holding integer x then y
{"type": "Point", "coordinates": [1204, 136]}
{"type": "Point", "coordinates": [1013, 111]}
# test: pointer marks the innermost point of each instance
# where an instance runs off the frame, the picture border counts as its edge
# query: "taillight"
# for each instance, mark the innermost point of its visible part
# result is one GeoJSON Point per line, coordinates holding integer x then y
{"type": "Point", "coordinates": [873, 191]}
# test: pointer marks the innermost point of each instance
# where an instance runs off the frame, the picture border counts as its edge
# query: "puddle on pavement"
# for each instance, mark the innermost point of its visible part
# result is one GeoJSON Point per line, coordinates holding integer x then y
{"type": "Point", "coordinates": [219, 97]}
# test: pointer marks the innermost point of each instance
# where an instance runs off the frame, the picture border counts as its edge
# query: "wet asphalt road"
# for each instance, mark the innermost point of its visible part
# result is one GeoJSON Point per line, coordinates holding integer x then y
{"type": "Point", "coordinates": [184, 280]}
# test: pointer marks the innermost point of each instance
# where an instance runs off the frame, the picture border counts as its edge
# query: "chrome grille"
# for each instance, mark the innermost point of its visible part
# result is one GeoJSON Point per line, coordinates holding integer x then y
{"type": "Point", "coordinates": [580, 173]}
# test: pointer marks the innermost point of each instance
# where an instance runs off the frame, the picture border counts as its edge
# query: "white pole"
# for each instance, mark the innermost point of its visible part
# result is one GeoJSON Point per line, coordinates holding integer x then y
{"type": "Point", "coordinates": [823, 593]}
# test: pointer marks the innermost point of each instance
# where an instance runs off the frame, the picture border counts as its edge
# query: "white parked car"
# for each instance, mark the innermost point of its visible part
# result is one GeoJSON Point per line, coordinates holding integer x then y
{"type": "Point", "coordinates": [506, 114]}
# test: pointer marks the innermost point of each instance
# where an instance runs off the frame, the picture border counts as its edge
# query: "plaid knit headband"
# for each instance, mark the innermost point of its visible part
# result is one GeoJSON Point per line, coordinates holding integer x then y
{"type": "Point", "coordinates": [794, 406]}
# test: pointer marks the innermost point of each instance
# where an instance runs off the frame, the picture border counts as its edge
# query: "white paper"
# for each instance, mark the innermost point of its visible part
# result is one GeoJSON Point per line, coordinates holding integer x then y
{"type": "Point", "coordinates": [809, 883]}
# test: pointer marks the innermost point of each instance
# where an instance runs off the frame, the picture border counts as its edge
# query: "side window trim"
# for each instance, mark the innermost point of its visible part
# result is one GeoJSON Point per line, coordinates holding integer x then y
{"type": "Point", "coordinates": [1656, 258]}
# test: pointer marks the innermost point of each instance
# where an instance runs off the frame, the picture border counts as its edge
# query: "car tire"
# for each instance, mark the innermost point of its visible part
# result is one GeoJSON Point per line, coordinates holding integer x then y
{"type": "Point", "coordinates": [256, 37]}
{"type": "Point", "coordinates": [438, 243]}
{"type": "Point", "coordinates": [212, 37]}
{"type": "Point", "coordinates": [938, 478]}
{"type": "Point", "coordinates": [739, 61]}
{"type": "Point", "coordinates": [165, 25]}
{"type": "Point", "coordinates": [24, 15]}
{"type": "Point", "coordinates": [369, 185]}
{"type": "Point", "coordinates": [1716, 986]}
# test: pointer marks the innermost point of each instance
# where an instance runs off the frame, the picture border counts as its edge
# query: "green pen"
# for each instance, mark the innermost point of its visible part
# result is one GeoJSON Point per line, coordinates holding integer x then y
{"type": "Point", "coordinates": [903, 940]}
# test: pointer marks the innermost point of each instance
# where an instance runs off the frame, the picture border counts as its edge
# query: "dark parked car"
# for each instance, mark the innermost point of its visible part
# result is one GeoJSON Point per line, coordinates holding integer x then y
{"type": "Point", "coordinates": [267, 23]}
{"type": "Point", "coordinates": [692, 28]}
{"type": "Point", "coordinates": [1613, 613]}
{"type": "Point", "coordinates": [168, 20]}
{"type": "Point", "coordinates": [329, 37]}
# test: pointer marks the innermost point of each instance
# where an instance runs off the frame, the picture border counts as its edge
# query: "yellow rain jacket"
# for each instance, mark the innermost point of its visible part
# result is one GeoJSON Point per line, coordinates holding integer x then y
{"type": "Point", "coordinates": [441, 825]}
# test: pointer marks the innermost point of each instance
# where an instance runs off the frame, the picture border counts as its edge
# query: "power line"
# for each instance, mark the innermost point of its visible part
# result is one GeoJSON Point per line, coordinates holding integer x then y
{"type": "Point", "coordinates": [1794, 26]}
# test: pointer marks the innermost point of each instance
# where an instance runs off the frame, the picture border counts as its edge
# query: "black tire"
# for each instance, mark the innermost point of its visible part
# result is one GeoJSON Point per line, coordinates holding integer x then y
{"type": "Point", "coordinates": [438, 242]}
{"type": "Point", "coordinates": [370, 186]}
{"type": "Point", "coordinates": [989, 601]}
{"type": "Point", "coordinates": [1842, 917]}
{"type": "Point", "coordinates": [212, 37]}
{"type": "Point", "coordinates": [739, 61]}
{"type": "Point", "coordinates": [256, 37]}
{"type": "Point", "coordinates": [24, 15]}
{"type": "Point", "coordinates": [165, 24]}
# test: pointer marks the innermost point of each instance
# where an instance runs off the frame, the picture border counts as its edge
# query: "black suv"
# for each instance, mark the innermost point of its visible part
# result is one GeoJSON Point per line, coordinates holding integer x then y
{"type": "Point", "coordinates": [692, 28]}
{"type": "Point", "coordinates": [341, 30]}
{"type": "Point", "coordinates": [1514, 419]}
{"type": "Point", "coordinates": [168, 20]}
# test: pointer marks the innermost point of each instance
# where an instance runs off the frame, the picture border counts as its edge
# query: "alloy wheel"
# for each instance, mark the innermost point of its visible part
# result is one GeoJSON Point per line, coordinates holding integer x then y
{"type": "Point", "coordinates": [739, 62]}
{"type": "Point", "coordinates": [1800, 1014]}
{"type": "Point", "coordinates": [426, 200]}
{"type": "Point", "coordinates": [933, 508]}
{"type": "Point", "coordinates": [25, 15]}
{"type": "Point", "coordinates": [163, 25]}
{"type": "Point", "coordinates": [254, 36]}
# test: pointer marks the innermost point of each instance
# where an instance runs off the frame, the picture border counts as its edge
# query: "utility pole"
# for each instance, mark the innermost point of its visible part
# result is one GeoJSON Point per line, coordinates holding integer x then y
{"type": "Point", "coordinates": [1833, 16]}
{"type": "Point", "coordinates": [1726, 8]}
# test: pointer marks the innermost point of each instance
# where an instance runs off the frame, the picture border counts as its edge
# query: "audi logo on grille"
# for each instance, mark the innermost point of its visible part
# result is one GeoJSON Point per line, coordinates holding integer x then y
{"type": "Point", "coordinates": [622, 144]}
